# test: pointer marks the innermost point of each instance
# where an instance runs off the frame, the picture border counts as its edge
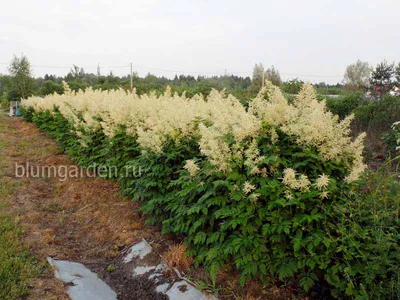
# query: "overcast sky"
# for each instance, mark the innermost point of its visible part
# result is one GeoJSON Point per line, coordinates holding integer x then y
{"type": "Point", "coordinates": [300, 38]}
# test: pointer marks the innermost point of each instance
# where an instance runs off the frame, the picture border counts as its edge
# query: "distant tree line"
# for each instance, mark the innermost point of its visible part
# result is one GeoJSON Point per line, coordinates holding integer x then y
{"type": "Point", "coordinates": [20, 82]}
{"type": "Point", "coordinates": [378, 81]}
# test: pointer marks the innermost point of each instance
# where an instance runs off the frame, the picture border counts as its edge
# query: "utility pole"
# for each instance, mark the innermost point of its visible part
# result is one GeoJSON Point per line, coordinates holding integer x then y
{"type": "Point", "coordinates": [131, 77]}
{"type": "Point", "coordinates": [98, 71]}
{"type": "Point", "coordinates": [263, 79]}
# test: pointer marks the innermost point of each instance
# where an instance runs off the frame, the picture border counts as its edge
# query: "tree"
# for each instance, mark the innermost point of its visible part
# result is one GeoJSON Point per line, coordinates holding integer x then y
{"type": "Point", "coordinates": [98, 70]}
{"type": "Point", "coordinates": [76, 73]}
{"type": "Point", "coordinates": [50, 77]}
{"type": "Point", "coordinates": [273, 75]}
{"type": "Point", "coordinates": [5, 86]}
{"type": "Point", "coordinates": [256, 81]}
{"type": "Point", "coordinates": [22, 82]}
{"type": "Point", "coordinates": [357, 75]}
{"type": "Point", "coordinates": [382, 78]}
{"type": "Point", "coordinates": [398, 75]}
{"type": "Point", "coordinates": [49, 87]}
{"type": "Point", "coordinates": [292, 86]}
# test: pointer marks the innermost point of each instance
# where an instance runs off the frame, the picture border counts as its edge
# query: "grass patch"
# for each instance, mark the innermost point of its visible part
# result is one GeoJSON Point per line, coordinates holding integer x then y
{"type": "Point", "coordinates": [24, 144]}
{"type": "Point", "coordinates": [3, 126]}
{"type": "Point", "coordinates": [3, 158]}
{"type": "Point", "coordinates": [7, 188]}
{"type": "Point", "coordinates": [17, 265]}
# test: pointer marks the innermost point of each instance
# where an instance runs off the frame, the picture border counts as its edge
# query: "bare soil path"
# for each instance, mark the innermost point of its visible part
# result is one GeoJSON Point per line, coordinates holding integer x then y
{"type": "Point", "coordinates": [76, 219]}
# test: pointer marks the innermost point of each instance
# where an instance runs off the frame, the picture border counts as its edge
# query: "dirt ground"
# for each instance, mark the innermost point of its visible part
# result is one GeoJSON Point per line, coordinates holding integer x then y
{"type": "Point", "coordinates": [85, 220]}
{"type": "Point", "coordinates": [79, 219]}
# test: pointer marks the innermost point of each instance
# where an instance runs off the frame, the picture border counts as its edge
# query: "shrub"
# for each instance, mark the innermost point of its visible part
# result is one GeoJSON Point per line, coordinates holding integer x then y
{"type": "Point", "coordinates": [4, 104]}
{"type": "Point", "coordinates": [396, 130]}
{"type": "Point", "coordinates": [378, 115]}
{"type": "Point", "coordinates": [346, 104]}
{"type": "Point", "coordinates": [329, 90]}
{"type": "Point", "coordinates": [370, 225]}
{"type": "Point", "coordinates": [264, 190]}
{"type": "Point", "coordinates": [392, 137]}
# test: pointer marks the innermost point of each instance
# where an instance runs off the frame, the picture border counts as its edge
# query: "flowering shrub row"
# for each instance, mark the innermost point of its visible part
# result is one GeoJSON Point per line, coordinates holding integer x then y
{"type": "Point", "coordinates": [262, 189]}
{"type": "Point", "coordinates": [154, 119]}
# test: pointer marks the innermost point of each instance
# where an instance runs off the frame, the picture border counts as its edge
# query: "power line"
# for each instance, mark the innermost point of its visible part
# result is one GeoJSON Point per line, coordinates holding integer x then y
{"type": "Point", "coordinates": [310, 75]}
{"type": "Point", "coordinates": [65, 67]}
{"type": "Point", "coordinates": [70, 66]}
{"type": "Point", "coordinates": [180, 71]}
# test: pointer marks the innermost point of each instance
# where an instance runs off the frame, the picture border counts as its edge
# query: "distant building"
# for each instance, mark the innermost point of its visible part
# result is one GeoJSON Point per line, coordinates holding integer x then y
{"type": "Point", "coordinates": [15, 108]}
{"type": "Point", "coordinates": [395, 91]}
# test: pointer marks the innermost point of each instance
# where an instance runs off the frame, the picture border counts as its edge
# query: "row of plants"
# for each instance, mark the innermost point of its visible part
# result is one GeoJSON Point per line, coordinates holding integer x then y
{"type": "Point", "coordinates": [271, 191]}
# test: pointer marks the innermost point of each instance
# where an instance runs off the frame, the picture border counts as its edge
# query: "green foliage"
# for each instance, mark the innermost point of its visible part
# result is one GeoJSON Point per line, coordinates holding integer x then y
{"type": "Point", "coordinates": [372, 116]}
{"type": "Point", "coordinates": [5, 88]}
{"type": "Point", "coordinates": [77, 85]}
{"type": "Point", "coordinates": [4, 103]}
{"type": "Point", "coordinates": [382, 78]}
{"type": "Point", "coordinates": [396, 130]}
{"type": "Point", "coordinates": [357, 75]}
{"type": "Point", "coordinates": [27, 113]}
{"type": "Point", "coordinates": [398, 74]}
{"type": "Point", "coordinates": [392, 138]}
{"type": "Point", "coordinates": [273, 75]}
{"type": "Point", "coordinates": [256, 80]}
{"type": "Point", "coordinates": [329, 90]}
{"type": "Point", "coordinates": [292, 86]}
{"type": "Point", "coordinates": [22, 83]}
{"type": "Point", "coordinates": [14, 87]}
{"type": "Point", "coordinates": [259, 75]}
{"type": "Point", "coordinates": [370, 227]}
{"type": "Point", "coordinates": [50, 87]}
{"type": "Point", "coordinates": [378, 115]}
{"type": "Point", "coordinates": [345, 105]}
